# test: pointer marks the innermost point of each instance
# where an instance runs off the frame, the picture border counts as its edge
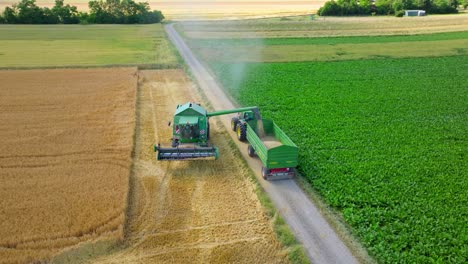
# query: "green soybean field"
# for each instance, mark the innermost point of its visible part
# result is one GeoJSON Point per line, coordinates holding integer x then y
{"type": "Point", "coordinates": [384, 141]}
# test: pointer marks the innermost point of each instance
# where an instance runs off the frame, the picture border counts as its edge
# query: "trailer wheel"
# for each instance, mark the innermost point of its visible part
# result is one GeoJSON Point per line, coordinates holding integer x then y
{"type": "Point", "coordinates": [264, 173]}
{"type": "Point", "coordinates": [251, 151]}
{"type": "Point", "coordinates": [234, 122]}
{"type": "Point", "coordinates": [294, 171]}
{"type": "Point", "coordinates": [241, 132]}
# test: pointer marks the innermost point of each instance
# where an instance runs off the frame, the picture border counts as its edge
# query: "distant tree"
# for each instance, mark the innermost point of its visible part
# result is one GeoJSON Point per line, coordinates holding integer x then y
{"type": "Point", "coordinates": [384, 7]}
{"type": "Point", "coordinates": [154, 16]}
{"type": "Point", "coordinates": [84, 18]}
{"type": "Point", "coordinates": [399, 5]}
{"type": "Point", "coordinates": [122, 12]}
{"type": "Point", "coordinates": [465, 4]}
{"type": "Point", "coordinates": [99, 12]}
{"type": "Point", "coordinates": [131, 10]}
{"type": "Point", "coordinates": [423, 4]}
{"type": "Point", "coordinates": [453, 3]}
{"type": "Point", "coordinates": [366, 6]}
{"type": "Point", "coordinates": [400, 13]}
{"type": "Point", "coordinates": [349, 7]}
{"type": "Point", "coordinates": [66, 14]}
{"type": "Point", "coordinates": [102, 12]}
{"type": "Point", "coordinates": [29, 13]}
{"type": "Point", "coordinates": [331, 8]}
{"type": "Point", "coordinates": [443, 7]}
{"type": "Point", "coordinates": [388, 7]}
{"type": "Point", "coordinates": [10, 15]}
{"type": "Point", "coordinates": [49, 17]}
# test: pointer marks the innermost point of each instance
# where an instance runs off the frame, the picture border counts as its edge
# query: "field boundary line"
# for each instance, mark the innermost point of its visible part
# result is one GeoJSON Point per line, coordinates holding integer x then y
{"type": "Point", "coordinates": [153, 114]}
{"type": "Point", "coordinates": [94, 66]}
{"type": "Point", "coordinates": [131, 176]}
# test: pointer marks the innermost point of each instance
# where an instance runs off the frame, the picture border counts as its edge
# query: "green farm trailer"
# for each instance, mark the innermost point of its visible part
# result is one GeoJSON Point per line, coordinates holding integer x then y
{"type": "Point", "coordinates": [191, 133]}
{"type": "Point", "coordinates": [270, 144]}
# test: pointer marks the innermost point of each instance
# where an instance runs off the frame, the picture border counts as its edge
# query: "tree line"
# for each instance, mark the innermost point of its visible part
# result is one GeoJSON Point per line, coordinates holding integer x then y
{"type": "Point", "coordinates": [100, 12]}
{"type": "Point", "coordinates": [388, 7]}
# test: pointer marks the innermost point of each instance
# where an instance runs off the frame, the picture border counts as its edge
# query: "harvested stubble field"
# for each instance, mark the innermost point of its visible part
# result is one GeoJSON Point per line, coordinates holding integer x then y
{"type": "Point", "coordinates": [189, 211]}
{"type": "Point", "coordinates": [65, 158]}
{"type": "Point", "coordinates": [304, 27]}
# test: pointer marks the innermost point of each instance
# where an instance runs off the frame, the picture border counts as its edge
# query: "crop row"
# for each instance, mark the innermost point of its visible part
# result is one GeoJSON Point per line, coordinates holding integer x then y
{"type": "Point", "coordinates": [213, 43]}
{"type": "Point", "coordinates": [385, 142]}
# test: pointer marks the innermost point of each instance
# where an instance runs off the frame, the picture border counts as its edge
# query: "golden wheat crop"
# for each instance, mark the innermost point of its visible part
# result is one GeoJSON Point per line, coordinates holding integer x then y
{"type": "Point", "coordinates": [65, 154]}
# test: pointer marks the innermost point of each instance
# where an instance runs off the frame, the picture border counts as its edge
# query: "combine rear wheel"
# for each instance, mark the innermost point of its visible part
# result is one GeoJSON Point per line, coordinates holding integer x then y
{"type": "Point", "coordinates": [251, 151]}
{"type": "Point", "coordinates": [241, 132]}
{"type": "Point", "coordinates": [234, 121]}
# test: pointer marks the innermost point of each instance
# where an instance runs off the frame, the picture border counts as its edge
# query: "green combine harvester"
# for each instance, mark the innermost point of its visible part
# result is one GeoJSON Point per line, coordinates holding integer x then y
{"type": "Point", "coordinates": [191, 134]}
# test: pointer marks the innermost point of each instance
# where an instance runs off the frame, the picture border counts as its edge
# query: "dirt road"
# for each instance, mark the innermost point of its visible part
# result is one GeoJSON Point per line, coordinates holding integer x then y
{"type": "Point", "coordinates": [189, 211]}
{"type": "Point", "coordinates": [320, 241]}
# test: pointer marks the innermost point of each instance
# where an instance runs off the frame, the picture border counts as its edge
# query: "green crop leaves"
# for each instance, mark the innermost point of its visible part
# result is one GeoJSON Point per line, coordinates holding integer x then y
{"type": "Point", "coordinates": [384, 141]}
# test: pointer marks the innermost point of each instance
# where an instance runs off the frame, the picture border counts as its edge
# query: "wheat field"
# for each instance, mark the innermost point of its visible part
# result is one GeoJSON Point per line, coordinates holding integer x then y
{"type": "Point", "coordinates": [67, 138]}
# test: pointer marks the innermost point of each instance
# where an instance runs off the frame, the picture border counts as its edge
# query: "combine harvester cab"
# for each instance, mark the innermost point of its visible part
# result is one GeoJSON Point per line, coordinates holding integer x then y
{"type": "Point", "coordinates": [190, 134]}
{"type": "Point", "coordinates": [278, 153]}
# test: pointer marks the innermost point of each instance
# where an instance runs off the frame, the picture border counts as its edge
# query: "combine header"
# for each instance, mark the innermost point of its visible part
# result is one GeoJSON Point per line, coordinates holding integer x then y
{"type": "Point", "coordinates": [191, 134]}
